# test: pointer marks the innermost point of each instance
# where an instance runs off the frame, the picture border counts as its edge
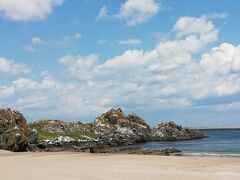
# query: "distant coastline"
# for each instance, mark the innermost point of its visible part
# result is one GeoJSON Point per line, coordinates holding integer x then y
{"type": "Point", "coordinates": [218, 128]}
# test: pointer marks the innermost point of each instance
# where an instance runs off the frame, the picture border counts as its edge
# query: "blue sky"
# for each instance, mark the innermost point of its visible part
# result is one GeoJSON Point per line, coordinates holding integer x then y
{"type": "Point", "coordinates": [164, 60]}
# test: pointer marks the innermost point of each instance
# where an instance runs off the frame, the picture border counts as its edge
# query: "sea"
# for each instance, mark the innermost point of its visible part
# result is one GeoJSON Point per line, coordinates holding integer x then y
{"type": "Point", "coordinates": [220, 142]}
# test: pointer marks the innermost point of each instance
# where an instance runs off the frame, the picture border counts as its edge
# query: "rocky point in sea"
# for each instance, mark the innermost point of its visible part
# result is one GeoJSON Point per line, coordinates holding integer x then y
{"type": "Point", "coordinates": [13, 131]}
{"type": "Point", "coordinates": [116, 128]}
{"type": "Point", "coordinates": [170, 131]}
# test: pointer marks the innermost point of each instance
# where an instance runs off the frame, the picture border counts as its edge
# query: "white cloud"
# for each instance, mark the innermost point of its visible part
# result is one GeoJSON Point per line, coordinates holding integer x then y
{"type": "Point", "coordinates": [10, 67]}
{"type": "Point", "coordinates": [27, 9]}
{"type": "Point", "coordinates": [224, 106]}
{"type": "Point", "coordinates": [78, 65]}
{"type": "Point", "coordinates": [37, 41]}
{"type": "Point", "coordinates": [167, 76]}
{"type": "Point", "coordinates": [134, 12]}
{"type": "Point", "coordinates": [103, 13]}
{"type": "Point", "coordinates": [55, 98]}
{"type": "Point", "coordinates": [130, 42]}
{"type": "Point", "coordinates": [138, 11]}
{"type": "Point", "coordinates": [217, 15]}
{"type": "Point", "coordinates": [35, 44]}
{"type": "Point", "coordinates": [76, 36]}
{"type": "Point", "coordinates": [222, 60]}
{"type": "Point", "coordinates": [192, 25]}
{"type": "Point", "coordinates": [102, 41]}
{"type": "Point", "coordinates": [170, 68]}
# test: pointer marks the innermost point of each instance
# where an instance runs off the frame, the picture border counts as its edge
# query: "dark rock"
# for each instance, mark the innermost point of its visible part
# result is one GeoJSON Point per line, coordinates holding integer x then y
{"type": "Point", "coordinates": [33, 135]}
{"type": "Point", "coordinates": [144, 151]}
{"type": "Point", "coordinates": [170, 150]}
{"type": "Point", "coordinates": [101, 148]}
{"type": "Point", "coordinates": [117, 129]}
{"type": "Point", "coordinates": [170, 131]}
{"type": "Point", "coordinates": [13, 131]}
{"type": "Point", "coordinates": [65, 143]}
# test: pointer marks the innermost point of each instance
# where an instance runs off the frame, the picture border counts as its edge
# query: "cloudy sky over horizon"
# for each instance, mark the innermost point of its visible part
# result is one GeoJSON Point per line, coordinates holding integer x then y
{"type": "Point", "coordinates": [162, 59]}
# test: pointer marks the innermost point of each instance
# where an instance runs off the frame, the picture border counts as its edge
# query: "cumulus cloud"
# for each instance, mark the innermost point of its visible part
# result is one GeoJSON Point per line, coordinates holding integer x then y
{"type": "Point", "coordinates": [134, 12]}
{"type": "Point", "coordinates": [170, 68]}
{"type": "Point", "coordinates": [78, 65]}
{"type": "Point", "coordinates": [223, 60]}
{"type": "Point", "coordinates": [53, 97]}
{"type": "Point", "coordinates": [27, 9]}
{"type": "Point", "coordinates": [10, 67]}
{"type": "Point", "coordinates": [174, 74]}
{"type": "Point", "coordinates": [138, 11]}
{"type": "Point", "coordinates": [196, 26]}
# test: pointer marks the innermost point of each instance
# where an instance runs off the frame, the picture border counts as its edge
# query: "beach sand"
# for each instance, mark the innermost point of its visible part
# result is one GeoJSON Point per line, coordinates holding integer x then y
{"type": "Point", "coordinates": [81, 166]}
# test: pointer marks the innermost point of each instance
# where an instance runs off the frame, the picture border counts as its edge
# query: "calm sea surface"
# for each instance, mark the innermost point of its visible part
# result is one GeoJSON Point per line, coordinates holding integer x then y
{"type": "Point", "coordinates": [219, 142]}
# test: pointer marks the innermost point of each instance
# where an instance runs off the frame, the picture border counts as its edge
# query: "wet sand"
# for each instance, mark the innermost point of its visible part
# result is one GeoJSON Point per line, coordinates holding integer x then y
{"type": "Point", "coordinates": [64, 165]}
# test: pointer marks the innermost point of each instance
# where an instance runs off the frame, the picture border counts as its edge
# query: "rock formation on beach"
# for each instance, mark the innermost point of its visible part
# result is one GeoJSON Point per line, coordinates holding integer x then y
{"type": "Point", "coordinates": [56, 135]}
{"type": "Point", "coordinates": [170, 131]}
{"type": "Point", "coordinates": [136, 150]}
{"type": "Point", "coordinates": [13, 131]}
{"type": "Point", "coordinates": [115, 128]}
{"type": "Point", "coordinates": [164, 152]}
{"type": "Point", "coordinates": [111, 129]}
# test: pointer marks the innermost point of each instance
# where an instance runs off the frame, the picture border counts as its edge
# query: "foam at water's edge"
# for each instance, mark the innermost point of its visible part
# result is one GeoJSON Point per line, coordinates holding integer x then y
{"type": "Point", "coordinates": [211, 154]}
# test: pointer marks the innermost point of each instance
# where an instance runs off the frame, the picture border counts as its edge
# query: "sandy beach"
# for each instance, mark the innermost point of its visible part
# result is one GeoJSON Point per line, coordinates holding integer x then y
{"type": "Point", "coordinates": [64, 165]}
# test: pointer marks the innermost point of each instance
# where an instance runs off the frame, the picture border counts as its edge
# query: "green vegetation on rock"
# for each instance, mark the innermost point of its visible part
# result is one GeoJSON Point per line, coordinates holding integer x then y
{"type": "Point", "coordinates": [43, 134]}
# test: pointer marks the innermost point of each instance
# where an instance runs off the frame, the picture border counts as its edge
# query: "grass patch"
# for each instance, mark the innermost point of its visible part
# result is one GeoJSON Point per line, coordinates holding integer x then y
{"type": "Point", "coordinates": [43, 135]}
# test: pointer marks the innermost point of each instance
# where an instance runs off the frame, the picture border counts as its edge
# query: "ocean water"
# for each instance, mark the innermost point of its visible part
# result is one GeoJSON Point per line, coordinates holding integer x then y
{"type": "Point", "coordinates": [219, 143]}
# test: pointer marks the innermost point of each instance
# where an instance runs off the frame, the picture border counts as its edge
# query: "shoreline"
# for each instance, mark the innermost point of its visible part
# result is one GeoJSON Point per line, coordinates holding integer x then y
{"type": "Point", "coordinates": [69, 165]}
{"type": "Point", "coordinates": [4, 153]}
{"type": "Point", "coordinates": [203, 154]}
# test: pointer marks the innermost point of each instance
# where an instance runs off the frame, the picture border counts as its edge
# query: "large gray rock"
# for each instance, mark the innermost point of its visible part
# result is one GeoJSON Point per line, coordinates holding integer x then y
{"type": "Point", "coordinates": [116, 128]}
{"type": "Point", "coordinates": [13, 131]}
{"type": "Point", "coordinates": [170, 131]}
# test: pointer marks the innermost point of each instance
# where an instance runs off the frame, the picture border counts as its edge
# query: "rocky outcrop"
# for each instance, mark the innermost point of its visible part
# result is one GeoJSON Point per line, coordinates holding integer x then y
{"type": "Point", "coordinates": [110, 129]}
{"type": "Point", "coordinates": [13, 131]}
{"type": "Point", "coordinates": [65, 143]}
{"type": "Point", "coordinates": [115, 128]}
{"type": "Point", "coordinates": [56, 135]}
{"type": "Point", "coordinates": [105, 134]}
{"type": "Point", "coordinates": [58, 126]}
{"type": "Point", "coordinates": [170, 131]}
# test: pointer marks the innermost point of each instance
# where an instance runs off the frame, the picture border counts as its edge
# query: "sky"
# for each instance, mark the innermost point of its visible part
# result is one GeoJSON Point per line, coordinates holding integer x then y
{"type": "Point", "coordinates": [161, 59]}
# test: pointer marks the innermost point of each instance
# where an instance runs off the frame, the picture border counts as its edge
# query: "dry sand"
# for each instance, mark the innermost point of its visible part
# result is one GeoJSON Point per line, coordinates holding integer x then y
{"type": "Point", "coordinates": [81, 166]}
